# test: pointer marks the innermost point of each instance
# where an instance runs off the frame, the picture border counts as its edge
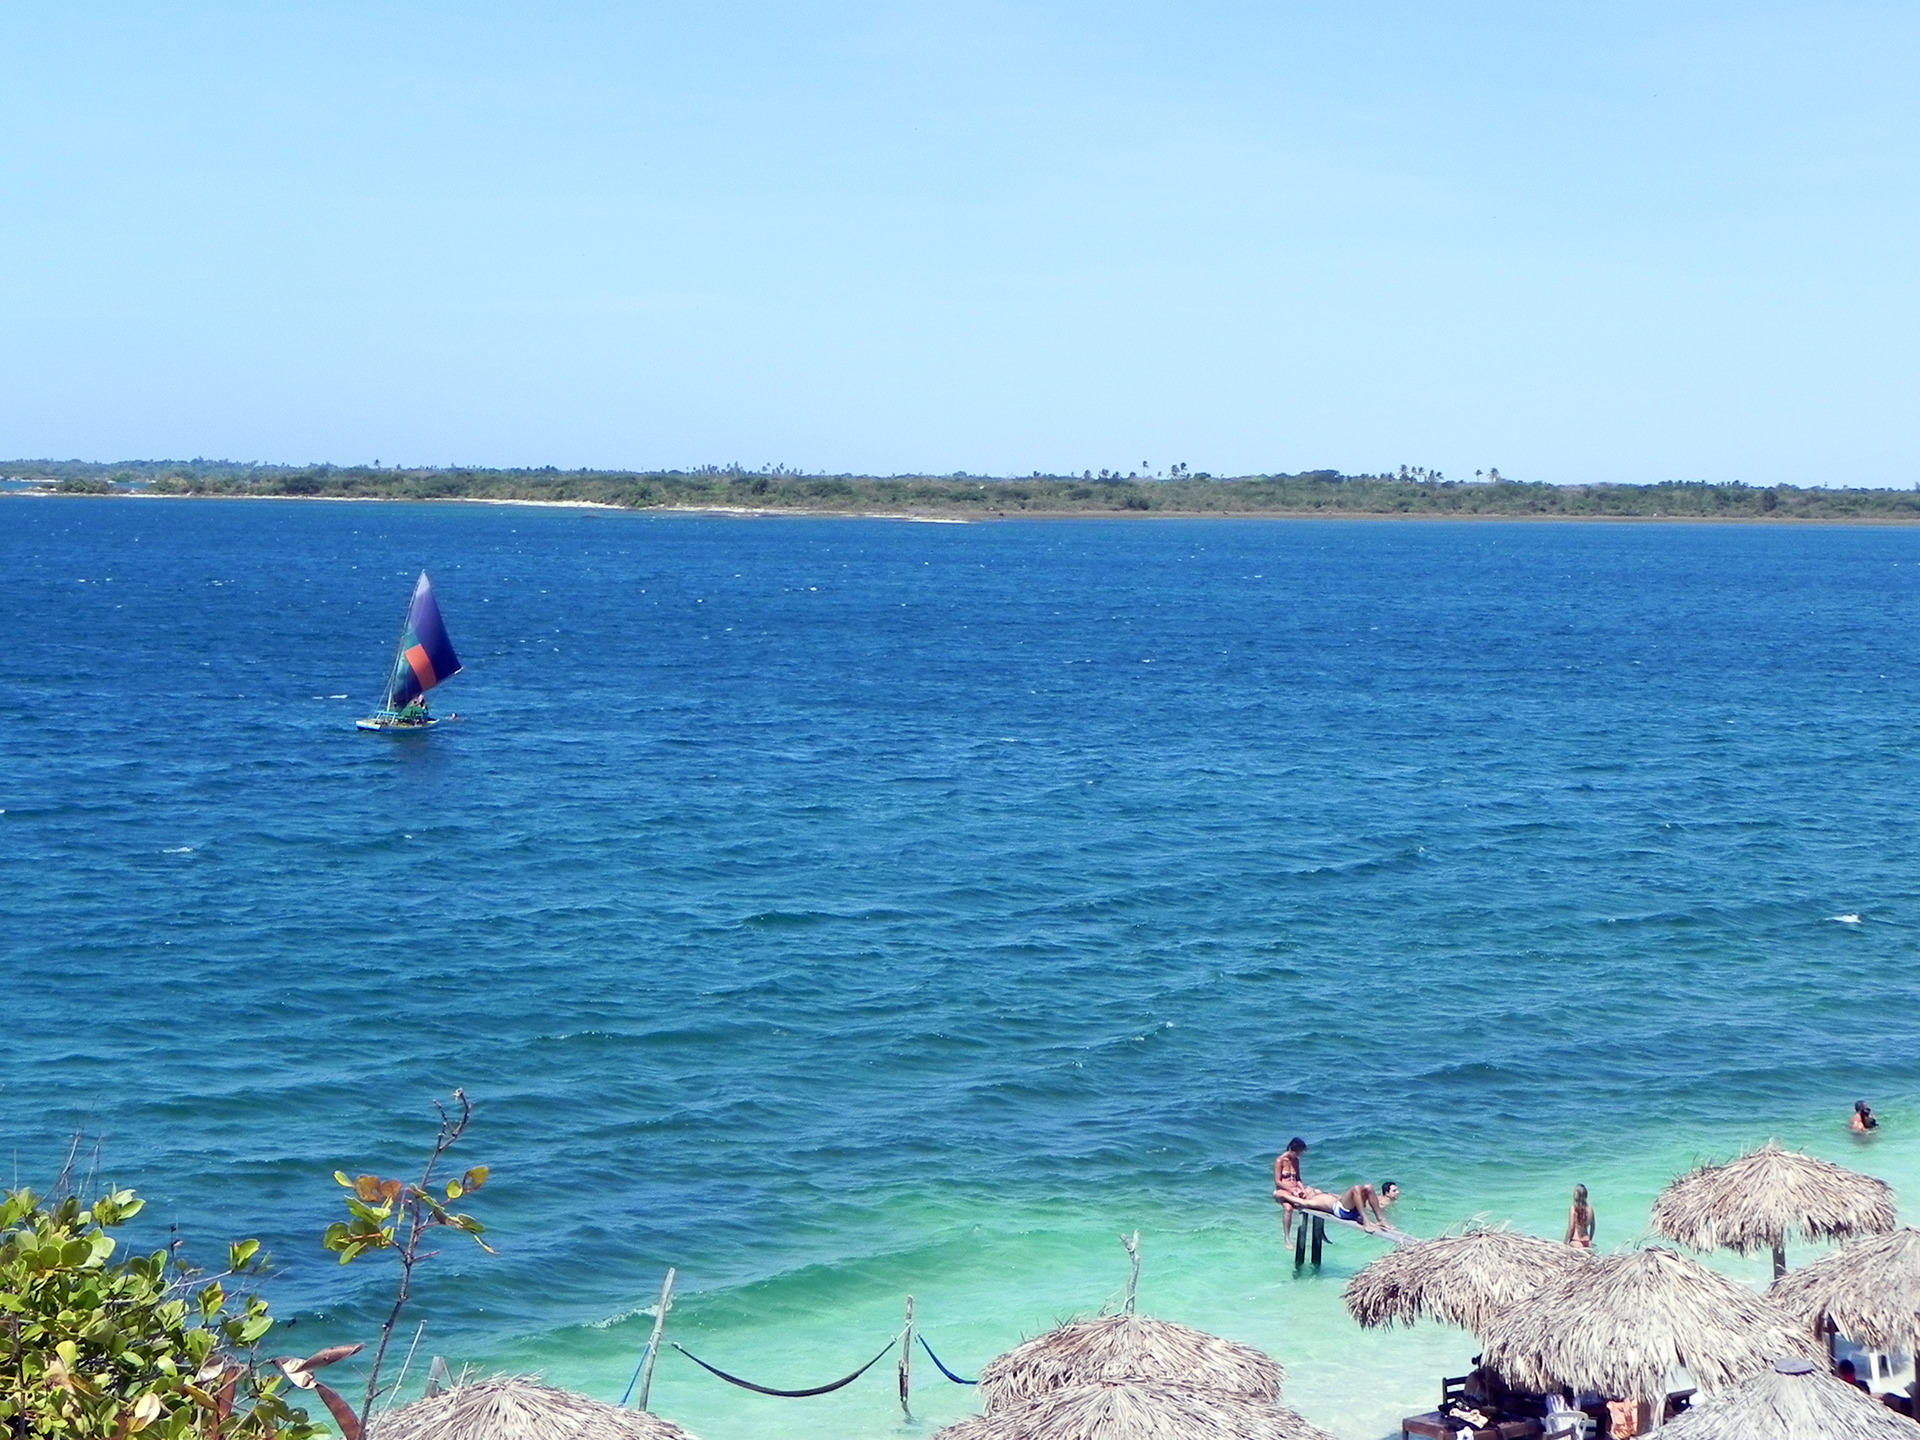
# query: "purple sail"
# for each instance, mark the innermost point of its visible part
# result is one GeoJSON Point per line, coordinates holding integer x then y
{"type": "Point", "coordinates": [426, 654]}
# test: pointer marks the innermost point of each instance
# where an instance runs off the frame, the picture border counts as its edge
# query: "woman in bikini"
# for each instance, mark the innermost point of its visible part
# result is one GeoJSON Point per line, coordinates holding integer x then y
{"type": "Point", "coordinates": [1580, 1220]}
{"type": "Point", "coordinates": [1294, 1193]}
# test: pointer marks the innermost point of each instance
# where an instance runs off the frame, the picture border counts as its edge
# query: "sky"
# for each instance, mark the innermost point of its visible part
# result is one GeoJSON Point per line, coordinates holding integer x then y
{"type": "Point", "coordinates": [1577, 242]}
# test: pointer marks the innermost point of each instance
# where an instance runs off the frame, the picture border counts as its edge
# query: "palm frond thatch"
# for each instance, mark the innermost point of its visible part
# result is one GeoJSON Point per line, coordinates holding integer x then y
{"type": "Point", "coordinates": [1790, 1403]}
{"type": "Point", "coordinates": [1130, 1410]}
{"type": "Point", "coordinates": [1869, 1290]}
{"type": "Point", "coordinates": [1467, 1280]}
{"type": "Point", "coordinates": [1128, 1347]}
{"type": "Point", "coordinates": [512, 1408]}
{"type": "Point", "coordinates": [1622, 1324]}
{"type": "Point", "coordinates": [1757, 1201]}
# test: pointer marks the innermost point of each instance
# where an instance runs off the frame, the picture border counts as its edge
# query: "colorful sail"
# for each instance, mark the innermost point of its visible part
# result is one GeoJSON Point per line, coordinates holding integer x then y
{"type": "Point", "coordinates": [426, 654]}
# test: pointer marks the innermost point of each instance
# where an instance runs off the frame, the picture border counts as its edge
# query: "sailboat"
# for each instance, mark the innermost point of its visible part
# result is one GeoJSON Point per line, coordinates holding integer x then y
{"type": "Point", "coordinates": [423, 658]}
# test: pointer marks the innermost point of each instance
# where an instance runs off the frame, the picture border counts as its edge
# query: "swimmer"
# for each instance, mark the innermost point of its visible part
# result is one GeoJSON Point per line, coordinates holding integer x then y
{"type": "Point", "coordinates": [1359, 1199]}
{"type": "Point", "coordinates": [1862, 1119]}
{"type": "Point", "coordinates": [1580, 1220]}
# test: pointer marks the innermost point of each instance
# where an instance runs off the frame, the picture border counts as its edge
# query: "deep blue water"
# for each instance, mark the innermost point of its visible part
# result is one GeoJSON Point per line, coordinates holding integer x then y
{"type": "Point", "coordinates": [798, 898]}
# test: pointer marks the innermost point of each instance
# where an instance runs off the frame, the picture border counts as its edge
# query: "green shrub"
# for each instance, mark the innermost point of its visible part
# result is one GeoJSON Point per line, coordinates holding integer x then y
{"type": "Point", "coordinates": [94, 1346]}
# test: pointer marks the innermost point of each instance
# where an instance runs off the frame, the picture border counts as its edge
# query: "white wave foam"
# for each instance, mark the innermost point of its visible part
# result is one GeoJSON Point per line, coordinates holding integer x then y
{"type": "Point", "coordinates": [179, 850]}
{"type": "Point", "coordinates": [640, 1312]}
{"type": "Point", "coordinates": [1844, 919]}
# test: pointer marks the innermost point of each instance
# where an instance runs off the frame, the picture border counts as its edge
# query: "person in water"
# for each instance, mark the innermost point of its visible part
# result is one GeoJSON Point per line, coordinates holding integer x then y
{"type": "Point", "coordinates": [1580, 1220]}
{"type": "Point", "coordinates": [1359, 1199]}
{"type": "Point", "coordinates": [1862, 1119]}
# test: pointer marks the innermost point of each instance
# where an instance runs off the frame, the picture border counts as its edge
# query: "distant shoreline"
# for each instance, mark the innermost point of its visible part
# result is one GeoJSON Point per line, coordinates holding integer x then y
{"type": "Point", "coordinates": [949, 517]}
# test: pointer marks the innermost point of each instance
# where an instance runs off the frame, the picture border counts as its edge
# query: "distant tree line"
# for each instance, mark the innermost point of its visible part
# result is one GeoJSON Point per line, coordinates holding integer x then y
{"type": "Point", "coordinates": [1410, 491]}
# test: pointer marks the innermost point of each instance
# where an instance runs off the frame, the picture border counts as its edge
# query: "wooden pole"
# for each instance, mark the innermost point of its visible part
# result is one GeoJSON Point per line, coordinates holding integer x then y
{"type": "Point", "coordinates": [1132, 1242]}
{"type": "Point", "coordinates": [653, 1341]}
{"type": "Point", "coordinates": [1779, 1260]}
{"type": "Point", "coordinates": [906, 1357]}
{"type": "Point", "coordinates": [1319, 1237]}
{"type": "Point", "coordinates": [1300, 1242]}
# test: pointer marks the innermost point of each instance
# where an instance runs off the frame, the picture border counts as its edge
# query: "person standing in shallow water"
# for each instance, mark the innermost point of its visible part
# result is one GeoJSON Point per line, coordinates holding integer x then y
{"type": "Point", "coordinates": [1862, 1119]}
{"type": "Point", "coordinates": [1580, 1220]}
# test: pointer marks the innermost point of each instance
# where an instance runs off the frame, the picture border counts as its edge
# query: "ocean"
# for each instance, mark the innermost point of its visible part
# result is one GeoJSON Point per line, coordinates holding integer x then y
{"type": "Point", "coordinates": [843, 909]}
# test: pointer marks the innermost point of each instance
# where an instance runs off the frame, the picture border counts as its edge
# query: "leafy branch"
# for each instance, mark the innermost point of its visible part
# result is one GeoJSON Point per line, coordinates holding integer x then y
{"type": "Point", "coordinates": [399, 1216]}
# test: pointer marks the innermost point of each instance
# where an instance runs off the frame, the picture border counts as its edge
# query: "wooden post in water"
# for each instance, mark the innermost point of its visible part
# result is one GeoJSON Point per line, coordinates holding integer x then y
{"type": "Point", "coordinates": [1319, 1238]}
{"type": "Point", "coordinates": [1132, 1242]}
{"type": "Point", "coordinates": [906, 1357]}
{"type": "Point", "coordinates": [1300, 1242]}
{"type": "Point", "coordinates": [1779, 1260]}
{"type": "Point", "coordinates": [653, 1341]}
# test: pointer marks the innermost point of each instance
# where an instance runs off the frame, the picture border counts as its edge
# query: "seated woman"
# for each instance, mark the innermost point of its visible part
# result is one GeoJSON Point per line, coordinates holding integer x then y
{"type": "Point", "coordinates": [1291, 1191]}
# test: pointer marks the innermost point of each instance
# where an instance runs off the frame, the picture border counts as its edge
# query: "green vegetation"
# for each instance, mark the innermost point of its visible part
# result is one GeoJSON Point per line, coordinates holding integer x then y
{"type": "Point", "coordinates": [111, 1348]}
{"type": "Point", "coordinates": [98, 1348]}
{"type": "Point", "coordinates": [1323, 492]}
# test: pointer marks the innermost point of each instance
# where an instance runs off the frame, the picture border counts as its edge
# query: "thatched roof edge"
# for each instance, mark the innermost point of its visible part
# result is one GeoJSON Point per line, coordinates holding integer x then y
{"type": "Point", "coordinates": [1128, 1348]}
{"type": "Point", "coordinates": [515, 1407]}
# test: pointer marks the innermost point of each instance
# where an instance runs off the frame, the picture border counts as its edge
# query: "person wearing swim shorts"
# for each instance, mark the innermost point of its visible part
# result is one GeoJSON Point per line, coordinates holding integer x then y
{"type": "Point", "coordinates": [1353, 1206]}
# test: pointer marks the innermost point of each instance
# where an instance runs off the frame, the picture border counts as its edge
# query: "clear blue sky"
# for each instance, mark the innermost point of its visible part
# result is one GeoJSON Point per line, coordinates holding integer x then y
{"type": "Point", "coordinates": [1624, 241]}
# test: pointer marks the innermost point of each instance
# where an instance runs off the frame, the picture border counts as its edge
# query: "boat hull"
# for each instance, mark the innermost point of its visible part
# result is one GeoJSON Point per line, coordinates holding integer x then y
{"type": "Point", "coordinates": [390, 726]}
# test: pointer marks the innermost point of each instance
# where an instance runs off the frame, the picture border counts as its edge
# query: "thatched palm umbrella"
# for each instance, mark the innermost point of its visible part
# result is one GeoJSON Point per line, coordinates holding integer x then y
{"type": "Point", "coordinates": [1756, 1202]}
{"type": "Point", "coordinates": [1129, 1410]}
{"type": "Point", "coordinates": [1869, 1291]}
{"type": "Point", "coordinates": [1128, 1348]}
{"type": "Point", "coordinates": [508, 1408]}
{"type": "Point", "coordinates": [1791, 1400]}
{"type": "Point", "coordinates": [1467, 1280]}
{"type": "Point", "coordinates": [1622, 1324]}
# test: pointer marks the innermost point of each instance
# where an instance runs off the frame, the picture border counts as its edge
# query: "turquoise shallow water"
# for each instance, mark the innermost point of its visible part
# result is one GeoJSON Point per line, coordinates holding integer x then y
{"type": "Point", "coordinates": [841, 909]}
